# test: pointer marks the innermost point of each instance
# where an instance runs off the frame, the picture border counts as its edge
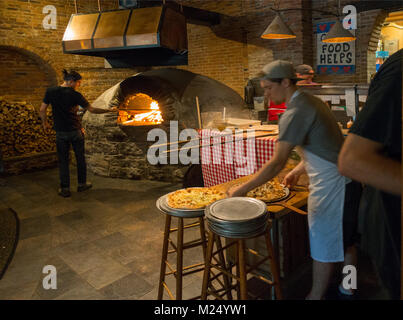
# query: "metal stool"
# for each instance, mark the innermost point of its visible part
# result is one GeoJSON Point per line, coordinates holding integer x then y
{"type": "Point", "coordinates": [238, 219]}
{"type": "Point", "coordinates": [180, 246]}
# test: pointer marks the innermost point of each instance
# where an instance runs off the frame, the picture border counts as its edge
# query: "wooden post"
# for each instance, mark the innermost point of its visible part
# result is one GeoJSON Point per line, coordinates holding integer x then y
{"type": "Point", "coordinates": [99, 5]}
{"type": "Point", "coordinates": [274, 267]}
{"type": "Point", "coordinates": [198, 112]}
{"type": "Point", "coordinates": [164, 256]}
{"type": "Point", "coordinates": [179, 260]}
{"type": "Point", "coordinates": [75, 6]}
{"type": "Point", "coordinates": [207, 266]}
{"type": "Point", "coordinates": [242, 269]}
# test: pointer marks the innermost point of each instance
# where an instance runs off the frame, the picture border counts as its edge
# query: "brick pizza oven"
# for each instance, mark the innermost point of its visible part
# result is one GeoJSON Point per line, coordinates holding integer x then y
{"type": "Point", "coordinates": [116, 144]}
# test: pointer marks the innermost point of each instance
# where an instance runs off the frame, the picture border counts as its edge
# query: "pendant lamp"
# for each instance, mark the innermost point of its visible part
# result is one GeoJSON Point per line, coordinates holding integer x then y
{"type": "Point", "coordinates": [338, 34]}
{"type": "Point", "coordinates": [278, 30]}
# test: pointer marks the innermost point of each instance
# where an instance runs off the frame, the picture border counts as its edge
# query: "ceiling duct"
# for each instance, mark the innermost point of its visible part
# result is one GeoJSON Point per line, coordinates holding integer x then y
{"type": "Point", "coordinates": [153, 36]}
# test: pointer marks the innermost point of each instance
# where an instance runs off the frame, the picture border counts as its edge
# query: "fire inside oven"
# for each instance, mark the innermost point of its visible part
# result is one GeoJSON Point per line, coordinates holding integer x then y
{"type": "Point", "coordinates": [139, 110]}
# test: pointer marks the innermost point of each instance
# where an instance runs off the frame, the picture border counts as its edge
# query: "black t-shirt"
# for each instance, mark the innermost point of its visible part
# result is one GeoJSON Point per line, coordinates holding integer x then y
{"type": "Point", "coordinates": [380, 121]}
{"type": "Point", "coordinates": [65, 102]}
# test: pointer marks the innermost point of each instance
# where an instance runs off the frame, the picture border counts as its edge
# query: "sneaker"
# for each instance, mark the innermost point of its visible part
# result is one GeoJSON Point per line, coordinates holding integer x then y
{"type": "Point", "coordinates": [83, 187]}
{"type": "Point", "coordinates": [64, 192]}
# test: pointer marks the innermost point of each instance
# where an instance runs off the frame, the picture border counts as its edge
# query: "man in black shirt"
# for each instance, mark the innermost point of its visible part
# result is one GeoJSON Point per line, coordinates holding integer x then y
{"type": "Point", "coordinates": [372, 155]}
{"type": "Point", "coordinates": [65, 101]}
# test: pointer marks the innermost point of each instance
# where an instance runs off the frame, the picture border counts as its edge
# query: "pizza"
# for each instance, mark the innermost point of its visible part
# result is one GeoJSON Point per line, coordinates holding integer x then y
{"type": "Point", "coordinates": [271, 191]}
{"type": "Point", "coordinates": [194, 198]}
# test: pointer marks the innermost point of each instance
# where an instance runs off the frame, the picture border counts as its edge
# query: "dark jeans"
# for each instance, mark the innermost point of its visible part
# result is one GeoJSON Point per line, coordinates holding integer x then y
{"type": "Point", "coordinates": [63, 141]}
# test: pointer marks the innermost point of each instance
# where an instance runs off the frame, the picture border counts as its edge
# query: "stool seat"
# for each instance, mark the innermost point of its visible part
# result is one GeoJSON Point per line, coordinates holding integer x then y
{"type": "Point", "coordinates": [162, 205]}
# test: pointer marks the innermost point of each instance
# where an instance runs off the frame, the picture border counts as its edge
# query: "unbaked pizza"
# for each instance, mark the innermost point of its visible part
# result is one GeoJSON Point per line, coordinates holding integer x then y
{"type": "Point", "coordinates": [194, 198]}
{"type": "Point", "coordinates": [270, 191]}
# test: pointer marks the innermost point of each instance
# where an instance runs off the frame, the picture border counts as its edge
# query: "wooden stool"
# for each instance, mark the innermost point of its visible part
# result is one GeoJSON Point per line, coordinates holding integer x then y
{"type": "Point", "coordinates": [241, 268]}
{"type": "Point", "coordinates": [179, 248]}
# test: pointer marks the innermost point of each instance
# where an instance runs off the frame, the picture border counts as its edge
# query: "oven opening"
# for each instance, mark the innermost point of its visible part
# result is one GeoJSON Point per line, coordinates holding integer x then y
{"type": "Point", "coordinates": [139, 110]}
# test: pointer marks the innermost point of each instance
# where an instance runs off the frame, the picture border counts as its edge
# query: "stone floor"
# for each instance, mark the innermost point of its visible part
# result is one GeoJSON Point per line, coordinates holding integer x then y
{"type": "Point", "coordinates": [105, 243]}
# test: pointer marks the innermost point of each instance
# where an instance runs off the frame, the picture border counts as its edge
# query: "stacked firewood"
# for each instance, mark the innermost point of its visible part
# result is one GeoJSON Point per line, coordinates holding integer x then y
{"type": "Point", "coordinates": [21, 132]}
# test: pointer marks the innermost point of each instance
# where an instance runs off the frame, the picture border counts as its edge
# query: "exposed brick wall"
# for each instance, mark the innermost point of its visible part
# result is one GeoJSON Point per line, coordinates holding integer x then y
{"type": "Point", "coordinates": [231, 52]}
{"type": "Point", "coordinates": [21, 77]}
{"type": "Point", "coordinates": [21, 29]}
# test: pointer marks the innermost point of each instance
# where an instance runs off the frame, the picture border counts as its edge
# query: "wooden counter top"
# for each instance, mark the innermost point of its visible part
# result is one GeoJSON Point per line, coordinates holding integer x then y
{"type": "Point", "coordinates": [297, 199]}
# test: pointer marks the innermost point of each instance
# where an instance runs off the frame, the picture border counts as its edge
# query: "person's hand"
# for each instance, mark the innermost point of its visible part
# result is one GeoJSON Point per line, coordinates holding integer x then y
{"type": "Point", "coordinates": [291, 179]}
{"type": "Point", "coordinates": [236, 191]}
{"type": "Point", "coordinates": [113, 109]}
{"type": "Point", "coordinates": [46, 126]}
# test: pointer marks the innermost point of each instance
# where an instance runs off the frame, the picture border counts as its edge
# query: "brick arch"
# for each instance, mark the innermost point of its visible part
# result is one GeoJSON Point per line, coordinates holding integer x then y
{"type": "Point", "coordinates": [40, 56]}
{"type": "Point", "coordinates": [24, 59]}
{"type": "Point", "coordinates": [374, 36]}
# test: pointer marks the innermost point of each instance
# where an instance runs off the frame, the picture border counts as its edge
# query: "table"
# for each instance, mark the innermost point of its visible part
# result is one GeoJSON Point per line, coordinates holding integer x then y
{"type": "Point", "coordinates": [225, 157]}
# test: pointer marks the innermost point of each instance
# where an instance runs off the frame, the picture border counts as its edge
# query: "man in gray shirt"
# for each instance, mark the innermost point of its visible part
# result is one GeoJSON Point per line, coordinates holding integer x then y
{"type": "Point", "coordinates": [309, 124]}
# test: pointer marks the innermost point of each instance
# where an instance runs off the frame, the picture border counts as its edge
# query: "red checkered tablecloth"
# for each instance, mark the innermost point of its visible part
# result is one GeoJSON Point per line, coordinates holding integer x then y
{"type": "Point", "coordinates": [224, 162]}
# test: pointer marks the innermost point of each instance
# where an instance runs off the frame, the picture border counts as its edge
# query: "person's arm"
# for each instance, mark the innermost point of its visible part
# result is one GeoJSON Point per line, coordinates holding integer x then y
{"type": "Point", "coordinates": [291, 179]}
{"type": "Point", "coordinates": [271, 169]}
{"type": "Point", "coordinates": [360, 159]}
{"type": "Point", "coordinates": [42, 114]}
{"type": "Point", "coordinates": [94, 110]}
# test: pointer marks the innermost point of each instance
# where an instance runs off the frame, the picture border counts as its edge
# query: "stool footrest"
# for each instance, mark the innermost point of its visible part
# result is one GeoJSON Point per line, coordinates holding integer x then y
{"type": "Point", "coordinates": [187, 245]}
{"type": "Point", "coordinates": [270, 282]}
{"type": "Point", "coordinates": [253, 267]}
{"type": "Point", "coordinates": [185, 268]}
{"type": "Point", "coordinates": [191, 225]}
{"type": "Point", "coordinates": [224, 271]}
{"type": "Point", "coordinates": [171, 296]}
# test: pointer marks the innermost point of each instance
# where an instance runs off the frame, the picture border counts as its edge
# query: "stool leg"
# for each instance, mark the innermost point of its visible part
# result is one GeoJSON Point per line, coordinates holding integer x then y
{"type": "Point", "coordinates": [238, 289]}
{"type": "Point", "coordinates": [164, 256]}
{"type": "Point", "coordinates": [179, 260]}
{"type": "Point", "coordinates": [203, 237]}
{"type": "Point", "coordinates": [206, 274]}
{"type": "Point", "coordinates": [242, 269]}
{"type": "Point", "coordinates": [227, 280]}
{"type": "Point", "coordinates": [273, 266]}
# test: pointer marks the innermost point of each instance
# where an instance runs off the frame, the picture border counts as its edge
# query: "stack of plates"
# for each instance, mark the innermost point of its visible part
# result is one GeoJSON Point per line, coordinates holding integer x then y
{"type": "Point", "coordinates": [238, 217]}
{"type": "Point", "coordinates": [163, 206]}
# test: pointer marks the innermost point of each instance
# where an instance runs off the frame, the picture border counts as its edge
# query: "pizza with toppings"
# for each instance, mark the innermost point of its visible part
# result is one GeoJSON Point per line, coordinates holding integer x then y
{"type": "Point", "coordinates": [194, 198]}
{"type": "Point", "coordinates": [270, 191]}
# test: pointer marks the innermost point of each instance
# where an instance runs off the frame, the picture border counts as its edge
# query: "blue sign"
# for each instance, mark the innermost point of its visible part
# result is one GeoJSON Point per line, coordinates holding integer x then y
{"type": "Point", "coordinates": [382, 54]}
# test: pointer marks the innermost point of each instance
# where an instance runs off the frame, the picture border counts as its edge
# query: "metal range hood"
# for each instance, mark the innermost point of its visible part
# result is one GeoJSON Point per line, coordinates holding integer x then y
{"type": "Point", "coordinates": [153, 36]}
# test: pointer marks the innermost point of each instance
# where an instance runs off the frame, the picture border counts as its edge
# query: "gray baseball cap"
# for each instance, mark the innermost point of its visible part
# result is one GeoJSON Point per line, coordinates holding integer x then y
{"type": "Point", "coordinates": [279, 69]}
{"type": "Point", "coordinates": [303, 69]}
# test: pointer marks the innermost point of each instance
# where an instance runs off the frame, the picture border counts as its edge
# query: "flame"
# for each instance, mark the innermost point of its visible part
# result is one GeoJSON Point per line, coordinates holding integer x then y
{"type": "Point", "coordinates": [152, 117]}
{"type": "Point", "coordinates": [154, 105]}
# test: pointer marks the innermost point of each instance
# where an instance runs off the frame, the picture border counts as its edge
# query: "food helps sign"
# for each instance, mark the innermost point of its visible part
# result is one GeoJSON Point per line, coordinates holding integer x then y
{"type": "Point", "coordinates": [334, 58]}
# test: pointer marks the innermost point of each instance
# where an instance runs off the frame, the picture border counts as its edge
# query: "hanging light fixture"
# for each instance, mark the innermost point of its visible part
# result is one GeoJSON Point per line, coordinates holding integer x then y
{"type": "Point", "coordinates": [278, 30]}
{"type": "Point", "coordinates": [337, 33]}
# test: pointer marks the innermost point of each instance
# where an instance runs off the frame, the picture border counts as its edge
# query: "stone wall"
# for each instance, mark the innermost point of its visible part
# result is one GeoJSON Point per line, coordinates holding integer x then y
{"type": "Point", "coordinates": [111, 152]}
